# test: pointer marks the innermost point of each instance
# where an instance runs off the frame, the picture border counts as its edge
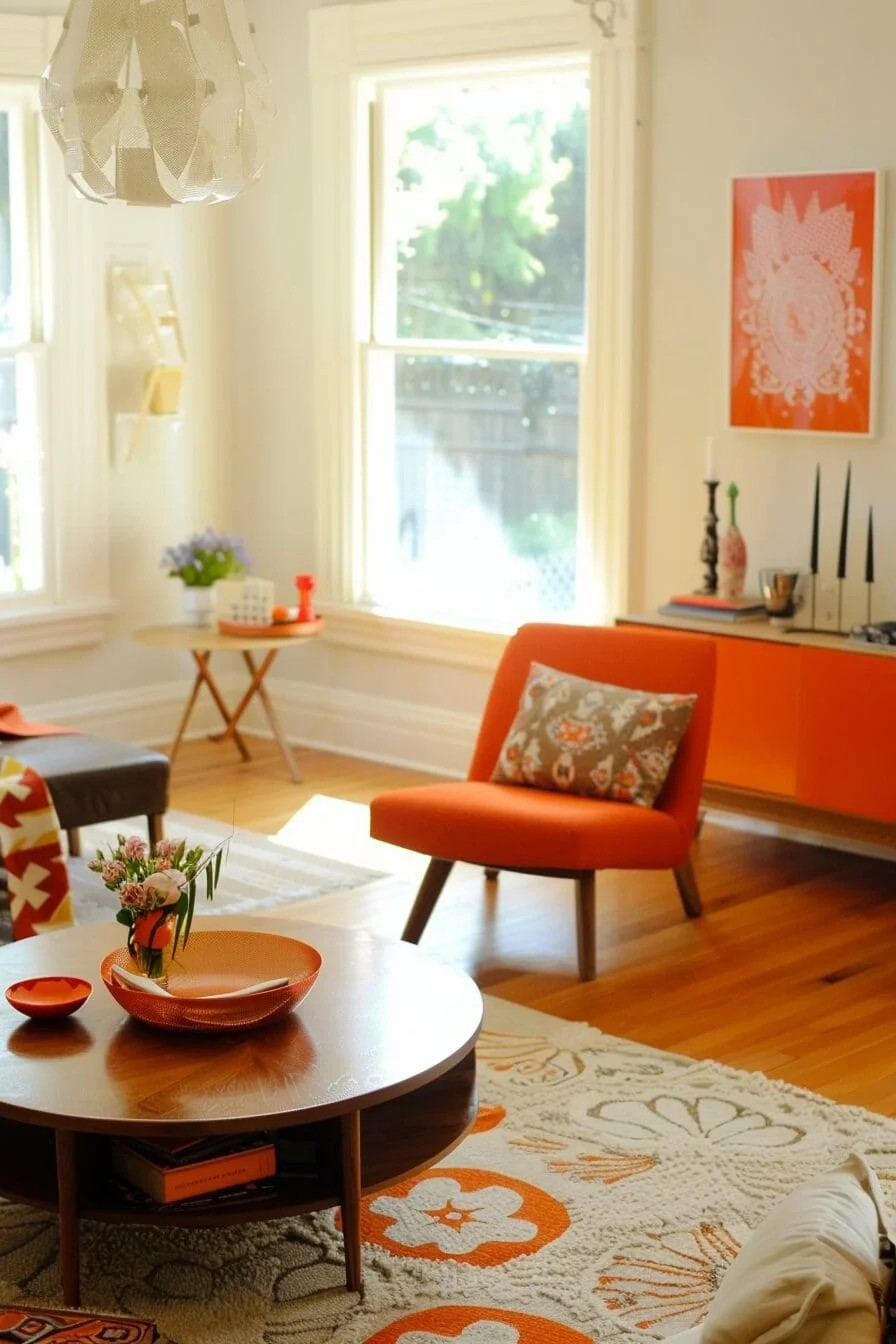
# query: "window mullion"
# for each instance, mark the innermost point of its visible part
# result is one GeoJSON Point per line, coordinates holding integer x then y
{"type": "Point", "coordinates": [542, 354]}
{"type": "Point", "coordinates": [382, 242]}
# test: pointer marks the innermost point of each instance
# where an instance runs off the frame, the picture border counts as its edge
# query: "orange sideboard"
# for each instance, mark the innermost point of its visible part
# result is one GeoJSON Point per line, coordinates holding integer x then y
{"type": "Point", "coordinates": [800, 718]}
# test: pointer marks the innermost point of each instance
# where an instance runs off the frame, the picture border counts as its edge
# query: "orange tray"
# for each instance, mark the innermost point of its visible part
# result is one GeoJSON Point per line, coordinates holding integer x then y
{"type": "Point", "coordinates": [276, 629]}
{"type": "Point", "coordinates": [218, 962]}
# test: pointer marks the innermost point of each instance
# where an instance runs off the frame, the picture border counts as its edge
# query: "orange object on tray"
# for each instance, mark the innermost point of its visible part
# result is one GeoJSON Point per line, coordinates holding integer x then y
{"type": "Point", "coordinates": [275, 629]}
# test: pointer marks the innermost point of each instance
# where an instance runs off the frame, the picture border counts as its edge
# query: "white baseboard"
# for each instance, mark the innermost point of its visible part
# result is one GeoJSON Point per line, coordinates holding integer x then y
{"type": "Point", "coordinates": [370, 727]}
{"type": "Point", "coordinates": [145, 714]}
{"type": "Point", "coordinates": [350, 723]}
{"type": "Point", "coordinates": [373, 728]}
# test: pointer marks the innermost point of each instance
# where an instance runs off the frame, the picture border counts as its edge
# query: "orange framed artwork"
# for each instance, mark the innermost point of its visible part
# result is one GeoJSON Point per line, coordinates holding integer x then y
{"type": "Point", "coordinates": [804, 305]}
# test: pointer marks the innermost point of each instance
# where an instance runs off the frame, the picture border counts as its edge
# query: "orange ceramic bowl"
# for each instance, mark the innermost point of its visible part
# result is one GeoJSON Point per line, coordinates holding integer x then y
{"type": "Point", "coordinates": [221, 961]}
{"type": "Point", "coordinates": [49, 995]}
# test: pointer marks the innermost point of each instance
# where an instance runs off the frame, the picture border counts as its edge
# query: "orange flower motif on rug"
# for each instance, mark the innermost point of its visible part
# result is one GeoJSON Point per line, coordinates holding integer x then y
{"type": "Point", "coordinates": [488, 1117]}
{"type": "Point", "coordinates": [479, 1218]}
{"type": "Point", "coordinates": [608, 1168]}
{"type": "Point", "coordinates": [476, 1325]}
{"type": "Point", "coordinates": [668, 1278]}
{"type": "Point", "coordinates": [529, 1059]}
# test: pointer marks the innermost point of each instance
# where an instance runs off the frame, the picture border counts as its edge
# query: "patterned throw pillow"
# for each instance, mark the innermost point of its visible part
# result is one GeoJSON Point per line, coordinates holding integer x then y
{"type": "Point", "coordinates": [31, 846]}
{"type": "Point", "coordinates": [584, 737]}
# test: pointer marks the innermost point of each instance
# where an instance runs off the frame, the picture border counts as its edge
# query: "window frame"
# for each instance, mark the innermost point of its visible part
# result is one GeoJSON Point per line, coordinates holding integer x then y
{"type": "Point", "coordinates": [68, 302]}
{"type": "Point", "coordinates": [357, 43]}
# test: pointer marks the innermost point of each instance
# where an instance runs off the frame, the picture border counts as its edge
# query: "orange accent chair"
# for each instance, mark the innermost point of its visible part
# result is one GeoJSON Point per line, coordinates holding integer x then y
{"type": "Point", "coordinates": [528, 830]}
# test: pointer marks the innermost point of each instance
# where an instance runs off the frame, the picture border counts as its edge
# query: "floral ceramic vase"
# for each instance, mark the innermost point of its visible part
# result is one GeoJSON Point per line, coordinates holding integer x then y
{"type": "Point", "coordinates": [732, 554]}
{"type": "Point", "coordinates": [151, 943]}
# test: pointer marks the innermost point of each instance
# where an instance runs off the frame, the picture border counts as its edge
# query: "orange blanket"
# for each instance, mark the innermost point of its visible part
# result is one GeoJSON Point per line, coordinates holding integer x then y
{"type": "Point", "coordinates": [13, 725]}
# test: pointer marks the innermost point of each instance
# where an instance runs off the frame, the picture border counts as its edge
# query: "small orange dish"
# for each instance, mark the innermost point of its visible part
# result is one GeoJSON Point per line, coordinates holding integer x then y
{"type": "Point", "coordinates": [49, 995]}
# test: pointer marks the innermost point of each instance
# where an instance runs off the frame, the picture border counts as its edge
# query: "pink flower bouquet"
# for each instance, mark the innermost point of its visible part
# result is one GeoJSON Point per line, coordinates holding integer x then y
{"type": "Point", "coordinates": [157, 889]}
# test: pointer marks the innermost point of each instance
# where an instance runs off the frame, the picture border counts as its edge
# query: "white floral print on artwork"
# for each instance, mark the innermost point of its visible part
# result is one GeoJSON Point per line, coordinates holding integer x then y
{"type": "Point", "coordinates": [803, 317]}
{"type": "Point", "coordinates": [483, 1332]}
{"type": "Point", "coordinates": [439, 1212]}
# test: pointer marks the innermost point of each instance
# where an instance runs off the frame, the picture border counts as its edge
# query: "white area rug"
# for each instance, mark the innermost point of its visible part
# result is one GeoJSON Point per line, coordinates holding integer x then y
{"type": "Point", "coordinates": [604, 1194]}
{"type": "Point", "coordinates": [259, 874]}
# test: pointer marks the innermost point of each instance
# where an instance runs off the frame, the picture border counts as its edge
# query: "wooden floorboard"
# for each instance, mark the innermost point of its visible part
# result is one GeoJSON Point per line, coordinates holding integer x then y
{"type": "Point", "coordinates": [790, 971]}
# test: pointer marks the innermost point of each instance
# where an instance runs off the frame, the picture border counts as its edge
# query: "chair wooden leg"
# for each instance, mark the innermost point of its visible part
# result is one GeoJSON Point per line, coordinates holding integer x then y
{"type": "Point", "coordinates": [434, 880]}
{"type": "Point", "coordinates": [586, 926]}
{"type": "Point", "coordinates": [688, 890]}
{"type": "Point", "coordinates": [74, 843]}
{"type": "Point", "coordinates": [491, 874]}
{"type": "Point", "coordinates": [155, 826]}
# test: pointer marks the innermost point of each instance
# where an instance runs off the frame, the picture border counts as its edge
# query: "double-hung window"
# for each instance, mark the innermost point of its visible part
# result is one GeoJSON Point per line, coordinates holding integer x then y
{"type": "Point", "coordinates": [23, 383]}
{"type": "Point", "coordinates": [54, 513]}
{"type": "Point", "coordinates": [471, 376]}
{"type": "Point", "coordinates": [474, 236]}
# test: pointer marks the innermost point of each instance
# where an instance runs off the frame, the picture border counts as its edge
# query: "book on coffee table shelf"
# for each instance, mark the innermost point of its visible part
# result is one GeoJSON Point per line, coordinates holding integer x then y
{"type": "Point", "coordinates": [172, 1172]}
{"type": "Point", "coordinates": [707, 607]}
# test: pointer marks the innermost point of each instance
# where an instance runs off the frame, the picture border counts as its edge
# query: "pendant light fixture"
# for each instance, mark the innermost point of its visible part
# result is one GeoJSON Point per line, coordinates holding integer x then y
{"type": "Point", "coordinates": [158, 102]}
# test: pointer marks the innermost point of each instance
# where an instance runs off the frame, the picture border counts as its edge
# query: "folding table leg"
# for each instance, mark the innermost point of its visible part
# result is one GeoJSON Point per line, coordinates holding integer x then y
{"type": "Point", "coordinates": [202, 662]}
{"type": "Point", "coordinates": [267, 704]}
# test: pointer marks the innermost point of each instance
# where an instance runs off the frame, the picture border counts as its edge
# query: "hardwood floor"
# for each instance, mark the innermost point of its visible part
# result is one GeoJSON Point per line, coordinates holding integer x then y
{"type": "Point", "coordinates": [790, 971]}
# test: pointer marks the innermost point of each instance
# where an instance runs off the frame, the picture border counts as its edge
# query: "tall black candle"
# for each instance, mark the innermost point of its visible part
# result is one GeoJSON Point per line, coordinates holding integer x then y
{"type": "Point", "coordinates": [813, 557]}
{"type": "Point", "coordinates": [869, 549]}
{"type": "Point", "coordinates": [844, 527]}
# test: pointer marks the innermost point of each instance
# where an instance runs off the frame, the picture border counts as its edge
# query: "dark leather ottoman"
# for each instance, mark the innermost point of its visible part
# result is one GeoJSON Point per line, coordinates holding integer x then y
{"type": "Point", "coordinates": [95, 779]}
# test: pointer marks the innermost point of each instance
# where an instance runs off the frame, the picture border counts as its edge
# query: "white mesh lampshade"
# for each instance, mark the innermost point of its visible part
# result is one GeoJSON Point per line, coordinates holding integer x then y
{"type": "Point", "coordinates": [158, 102]}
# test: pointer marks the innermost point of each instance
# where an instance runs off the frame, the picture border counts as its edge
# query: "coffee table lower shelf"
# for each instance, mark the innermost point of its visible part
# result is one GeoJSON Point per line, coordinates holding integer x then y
{"type": "Point", "coordinates": [70, 1172]}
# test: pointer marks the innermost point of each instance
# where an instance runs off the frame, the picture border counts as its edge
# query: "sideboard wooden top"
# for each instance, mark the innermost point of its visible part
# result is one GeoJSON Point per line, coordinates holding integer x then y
{"type": "Point", "coordinates": [761, 630]}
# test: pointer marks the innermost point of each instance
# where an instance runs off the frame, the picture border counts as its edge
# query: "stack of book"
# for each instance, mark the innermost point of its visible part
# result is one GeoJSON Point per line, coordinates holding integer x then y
{"type": "Point", "coordinates": [180, 1170]}
{"type": "Point", "coordinates": [703, 607]}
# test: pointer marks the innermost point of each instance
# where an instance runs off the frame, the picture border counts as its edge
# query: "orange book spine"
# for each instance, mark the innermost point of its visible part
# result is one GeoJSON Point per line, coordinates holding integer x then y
{"type": "Point", "coordinates": [166, 1185]}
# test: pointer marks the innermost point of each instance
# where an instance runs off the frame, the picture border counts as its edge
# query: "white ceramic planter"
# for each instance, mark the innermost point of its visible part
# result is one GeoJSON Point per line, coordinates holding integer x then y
{"type": "Point", "coordinates": [199, 606]}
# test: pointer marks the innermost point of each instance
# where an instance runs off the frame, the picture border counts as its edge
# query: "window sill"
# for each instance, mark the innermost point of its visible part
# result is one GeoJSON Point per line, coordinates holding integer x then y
{"type": "Point", "coordinates": [399, 637]}
{"type": "Point", "coordinates": [48, 629]}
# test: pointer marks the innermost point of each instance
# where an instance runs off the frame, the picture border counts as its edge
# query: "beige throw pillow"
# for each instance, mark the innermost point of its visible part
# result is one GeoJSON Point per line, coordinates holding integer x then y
{"type": "Point", "coordinates": [810, 1273]}
{"type": "Point", "coordinates": [585, 737]}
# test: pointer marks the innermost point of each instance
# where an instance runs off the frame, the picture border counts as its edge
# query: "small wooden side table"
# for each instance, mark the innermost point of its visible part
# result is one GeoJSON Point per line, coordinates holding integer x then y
{"type": "Point", "coordinates": [201, 644]}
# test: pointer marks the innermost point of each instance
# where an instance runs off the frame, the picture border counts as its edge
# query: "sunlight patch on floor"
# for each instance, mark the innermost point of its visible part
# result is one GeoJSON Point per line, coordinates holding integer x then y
{"type": "Point", "coordinates": [334, 828]}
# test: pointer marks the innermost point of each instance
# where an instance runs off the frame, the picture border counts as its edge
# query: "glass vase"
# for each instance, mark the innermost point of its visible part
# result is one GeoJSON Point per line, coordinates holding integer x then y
{"type": "Point", "coordinates": [152, 944]}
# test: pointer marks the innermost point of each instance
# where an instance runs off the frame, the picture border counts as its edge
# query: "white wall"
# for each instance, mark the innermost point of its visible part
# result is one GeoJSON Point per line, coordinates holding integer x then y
{"type": "Point", "coordinates": [741, 89]}
{"type": "Point", "coordinates": [170, 486]}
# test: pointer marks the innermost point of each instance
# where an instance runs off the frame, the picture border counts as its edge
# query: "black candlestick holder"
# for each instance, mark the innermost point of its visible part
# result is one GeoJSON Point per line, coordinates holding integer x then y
{"type": "Point", "coordinates": [709, 550]}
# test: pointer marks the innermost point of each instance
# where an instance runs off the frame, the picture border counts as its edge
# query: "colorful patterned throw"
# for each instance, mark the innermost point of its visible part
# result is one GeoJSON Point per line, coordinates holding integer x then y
{"type": "Point", "coordinates": [31, 846]}
{"type": "Point", "coordinates": [38, 1325]}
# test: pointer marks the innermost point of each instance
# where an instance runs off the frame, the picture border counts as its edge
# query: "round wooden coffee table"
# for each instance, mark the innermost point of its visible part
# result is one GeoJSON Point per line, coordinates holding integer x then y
{"type": "Point", "coordinates": [377, 1063]}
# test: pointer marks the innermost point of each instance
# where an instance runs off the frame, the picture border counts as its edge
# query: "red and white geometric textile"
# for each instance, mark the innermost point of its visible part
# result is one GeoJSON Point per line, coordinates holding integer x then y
{"type": "Point", "coordinates": [31, 845]}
